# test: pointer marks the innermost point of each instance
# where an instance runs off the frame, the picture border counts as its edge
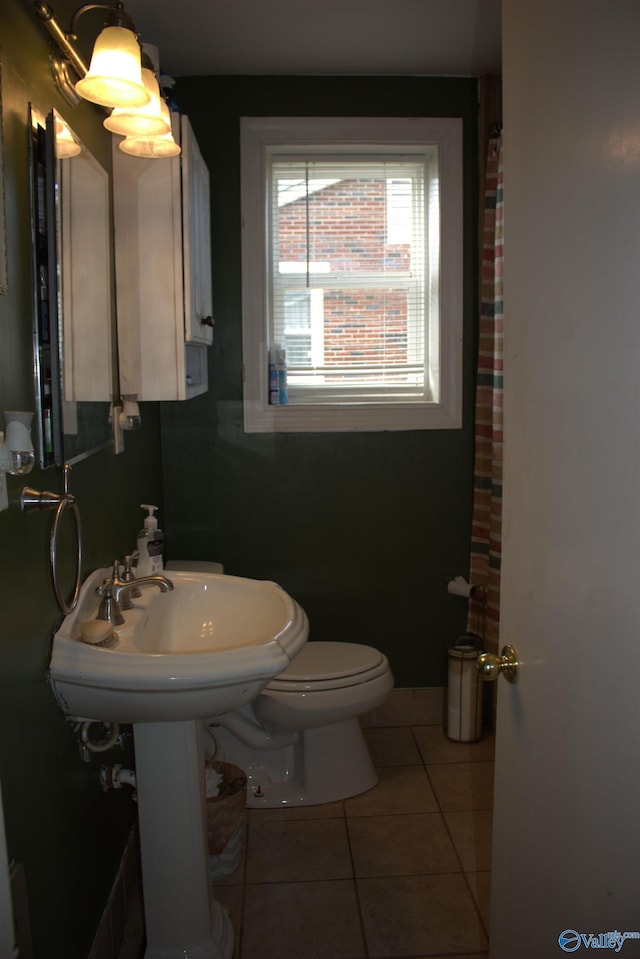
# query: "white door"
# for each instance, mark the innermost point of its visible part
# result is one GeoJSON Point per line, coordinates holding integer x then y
{"type": "Point", "coordinates": [567, 807]}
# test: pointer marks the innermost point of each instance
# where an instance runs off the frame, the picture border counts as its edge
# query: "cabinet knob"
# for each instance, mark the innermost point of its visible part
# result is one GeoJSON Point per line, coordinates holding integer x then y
{"type": "Point", "coordinates": [207, 321]}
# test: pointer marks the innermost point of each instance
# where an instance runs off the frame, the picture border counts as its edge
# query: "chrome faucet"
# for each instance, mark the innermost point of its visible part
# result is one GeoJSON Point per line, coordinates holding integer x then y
{"type": "Point", "coordinates": [116, 592]}
{"type": "Point", "coordinates": [121, 588]}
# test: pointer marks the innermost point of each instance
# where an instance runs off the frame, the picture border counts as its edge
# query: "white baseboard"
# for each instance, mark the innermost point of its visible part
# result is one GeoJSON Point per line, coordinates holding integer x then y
{"type": "Point", "coordinates": [409, 707]}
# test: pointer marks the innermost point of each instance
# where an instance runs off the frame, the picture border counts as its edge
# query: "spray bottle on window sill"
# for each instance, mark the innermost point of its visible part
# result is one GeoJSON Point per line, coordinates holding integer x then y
{"type": "Point", "coordinates": [278, 394]}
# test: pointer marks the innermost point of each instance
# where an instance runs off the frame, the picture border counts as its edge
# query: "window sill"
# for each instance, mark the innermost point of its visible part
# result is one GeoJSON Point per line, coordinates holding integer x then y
{"type": "Point", "coordinates": [348, 418]}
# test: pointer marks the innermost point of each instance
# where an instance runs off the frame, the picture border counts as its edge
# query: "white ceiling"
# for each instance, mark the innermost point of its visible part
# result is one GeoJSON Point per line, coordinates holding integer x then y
{"type": "Point", "coordinates": [315, 37]}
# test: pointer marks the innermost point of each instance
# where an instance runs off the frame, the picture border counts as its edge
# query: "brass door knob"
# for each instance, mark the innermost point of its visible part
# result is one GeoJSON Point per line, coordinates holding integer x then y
{"type": "Point", "coordinates": [490, 666]}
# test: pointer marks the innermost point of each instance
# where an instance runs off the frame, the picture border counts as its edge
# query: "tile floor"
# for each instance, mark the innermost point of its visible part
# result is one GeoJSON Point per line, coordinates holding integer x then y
{"type": "Point", "coordinates": [400, 871]}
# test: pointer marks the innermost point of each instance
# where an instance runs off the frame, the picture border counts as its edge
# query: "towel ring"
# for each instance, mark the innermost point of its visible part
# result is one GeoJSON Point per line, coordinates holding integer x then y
{"type": "Point", "coordinates": [66, 502]}
{"type": "Point", "coordinates": [31, 500]}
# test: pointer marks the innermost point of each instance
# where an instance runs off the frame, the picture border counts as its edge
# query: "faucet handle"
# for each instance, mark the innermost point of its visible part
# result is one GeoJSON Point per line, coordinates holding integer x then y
{"type": "Point", "coordinates": [121, 576]}
{"type": "Point", "coordinates": [128, 576]}
{"type": "Point", "coordinates": [106, 588]}
{"type": "Point", "coordinates": [109, 608]}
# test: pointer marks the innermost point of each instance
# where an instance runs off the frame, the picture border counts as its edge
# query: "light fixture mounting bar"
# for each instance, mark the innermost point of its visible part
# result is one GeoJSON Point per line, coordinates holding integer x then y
{"type": "Point", "coordinates": [117, 17]}
{"type": "Point", "coordinates": [63, 40]}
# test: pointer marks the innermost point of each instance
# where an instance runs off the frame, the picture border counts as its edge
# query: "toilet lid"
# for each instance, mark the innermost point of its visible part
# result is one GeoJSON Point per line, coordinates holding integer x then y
{"type": "Point", "coordinates": [331, 665]}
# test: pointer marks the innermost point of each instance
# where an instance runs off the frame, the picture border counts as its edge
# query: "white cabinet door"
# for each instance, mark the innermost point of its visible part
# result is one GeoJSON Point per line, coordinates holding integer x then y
{"type": "Point", "coordinates": [148, 250]}
{"type": "Point", "coordinates": [163, 271]}
{"type": "Point", "coordinates": [196, 229]}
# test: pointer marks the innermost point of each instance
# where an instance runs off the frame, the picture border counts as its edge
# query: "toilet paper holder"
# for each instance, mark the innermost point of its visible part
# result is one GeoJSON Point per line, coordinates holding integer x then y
{"type": "Point", "coordinates": [458, 586]}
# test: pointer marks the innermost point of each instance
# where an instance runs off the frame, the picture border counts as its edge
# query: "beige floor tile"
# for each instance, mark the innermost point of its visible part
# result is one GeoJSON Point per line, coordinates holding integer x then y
{"type": "Point", "coordinates": [436, 747]}
{"type": "Point", "coordinates": [480, 885]}
{"type": "Point", "coordinates": [413, 844]}
{"type": "Point", "coordinates": [471, 834]}
{"type": "Point", "coordinates": [392, 746]}
{"type": "Point", "coordinates": [462, 785]}
{"type": "Point", "coordinates": [401, 789]}
{"type": "Point", "coordinates": [428, 706]}
{"type": "Point", "coordinates": [415, 915]}
{"type": "Point", "coordinates": [330, 810]}
{"type": "Point", "coordinates": [298, 851]}
{"type": "Point", "coordinates": [309, 920]}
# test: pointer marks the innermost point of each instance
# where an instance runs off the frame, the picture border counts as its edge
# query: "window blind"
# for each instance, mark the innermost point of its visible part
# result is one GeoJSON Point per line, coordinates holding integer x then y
{"type": "Point", "coordinates": [352, 254]}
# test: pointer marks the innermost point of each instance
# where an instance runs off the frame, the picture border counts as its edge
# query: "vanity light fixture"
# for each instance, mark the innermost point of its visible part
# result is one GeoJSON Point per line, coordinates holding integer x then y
{"type": "Point", "coordinates": [113, 78]}
{"type": "Point", "coordinates": [147, 120]}
{"type": "Point", "coordinates": [16, 449]}
{"type": "Point", "coordinates": [120, 77]}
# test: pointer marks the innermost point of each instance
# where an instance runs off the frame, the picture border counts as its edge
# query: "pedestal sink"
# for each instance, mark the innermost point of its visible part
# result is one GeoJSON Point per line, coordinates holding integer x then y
{"type": "Point", "coordinates": [205, 648]}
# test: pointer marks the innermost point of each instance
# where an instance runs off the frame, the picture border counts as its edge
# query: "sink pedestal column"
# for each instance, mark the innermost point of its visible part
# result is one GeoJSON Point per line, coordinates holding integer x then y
{"type": "Point", "coordinates": [182, 919]}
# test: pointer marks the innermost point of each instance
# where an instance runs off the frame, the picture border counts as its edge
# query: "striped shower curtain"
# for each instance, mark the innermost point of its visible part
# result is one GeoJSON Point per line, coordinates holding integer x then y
{"type": "Point", "coordinates": [486, 532]}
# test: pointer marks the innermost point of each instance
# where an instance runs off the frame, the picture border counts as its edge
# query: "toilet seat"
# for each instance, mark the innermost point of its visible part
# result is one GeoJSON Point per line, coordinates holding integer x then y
{"type": "Point", "coordinates": [325, 665]}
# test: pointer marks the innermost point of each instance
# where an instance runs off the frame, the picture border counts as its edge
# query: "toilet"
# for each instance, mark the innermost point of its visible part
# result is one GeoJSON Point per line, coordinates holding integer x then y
{"type": "Point", "coordinates": [300, 741]}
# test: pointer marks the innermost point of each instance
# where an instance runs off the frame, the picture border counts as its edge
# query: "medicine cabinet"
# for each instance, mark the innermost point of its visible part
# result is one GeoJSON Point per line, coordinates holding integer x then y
{"type": "Point", "coordinates": [163, 270]}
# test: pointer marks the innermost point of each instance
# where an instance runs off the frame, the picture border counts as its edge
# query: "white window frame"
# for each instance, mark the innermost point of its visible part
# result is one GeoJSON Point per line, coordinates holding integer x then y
{"type": "Point", "coordinates": [258, 136]}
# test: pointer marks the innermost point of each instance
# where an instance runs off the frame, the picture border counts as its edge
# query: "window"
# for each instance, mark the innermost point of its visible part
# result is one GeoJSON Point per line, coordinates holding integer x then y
{"type": "Point", "coordinates": [352, 240]}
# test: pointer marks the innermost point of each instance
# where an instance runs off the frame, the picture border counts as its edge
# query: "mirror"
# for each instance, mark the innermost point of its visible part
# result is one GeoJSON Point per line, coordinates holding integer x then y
{"type": "Point", "coordinates": [47, 422]}
{"type": "Point", "coordinates": [73, 302]}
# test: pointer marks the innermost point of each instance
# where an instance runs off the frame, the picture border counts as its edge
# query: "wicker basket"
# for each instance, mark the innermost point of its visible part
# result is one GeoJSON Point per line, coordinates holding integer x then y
{"type": "Point", "coordinates": [225, 810]}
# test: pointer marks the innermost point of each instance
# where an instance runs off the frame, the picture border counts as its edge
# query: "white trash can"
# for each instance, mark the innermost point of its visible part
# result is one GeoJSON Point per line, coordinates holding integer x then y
{"type": "Point", "coordinates": [464, 696]}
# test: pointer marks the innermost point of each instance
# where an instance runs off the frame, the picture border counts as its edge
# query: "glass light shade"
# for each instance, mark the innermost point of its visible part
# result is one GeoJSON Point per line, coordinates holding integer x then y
{"type": "Point", "coordinates": [151, 148]}
{"type": "Point", "coordinates": [114, 78]}
{"type": "Point", "coordinates": [18, 446]}
{"type": "Point", "coordinates": [66, 145]}
{"type": "Point", "coordinates": [148, 120]}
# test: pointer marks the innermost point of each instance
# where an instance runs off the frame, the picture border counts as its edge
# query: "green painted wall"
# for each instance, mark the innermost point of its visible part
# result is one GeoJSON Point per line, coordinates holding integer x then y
{"type": "Point", "coordinates": [364, 529]}
{"type": "Point", "coordinates": [66, 833]}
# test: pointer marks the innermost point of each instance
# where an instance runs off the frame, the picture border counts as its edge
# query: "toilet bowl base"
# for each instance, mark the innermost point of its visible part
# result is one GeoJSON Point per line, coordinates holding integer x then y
{"type": "Point", "coordinates": [327, 764]}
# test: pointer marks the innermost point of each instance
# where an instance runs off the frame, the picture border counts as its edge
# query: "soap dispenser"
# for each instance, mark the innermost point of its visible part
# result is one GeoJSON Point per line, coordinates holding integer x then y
{"type": "Point", "coordinates": [150, 545]}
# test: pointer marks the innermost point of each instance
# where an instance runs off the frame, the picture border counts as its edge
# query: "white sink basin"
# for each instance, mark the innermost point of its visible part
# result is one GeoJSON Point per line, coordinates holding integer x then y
{"type": "Point", "coordinates": [205, 648]}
